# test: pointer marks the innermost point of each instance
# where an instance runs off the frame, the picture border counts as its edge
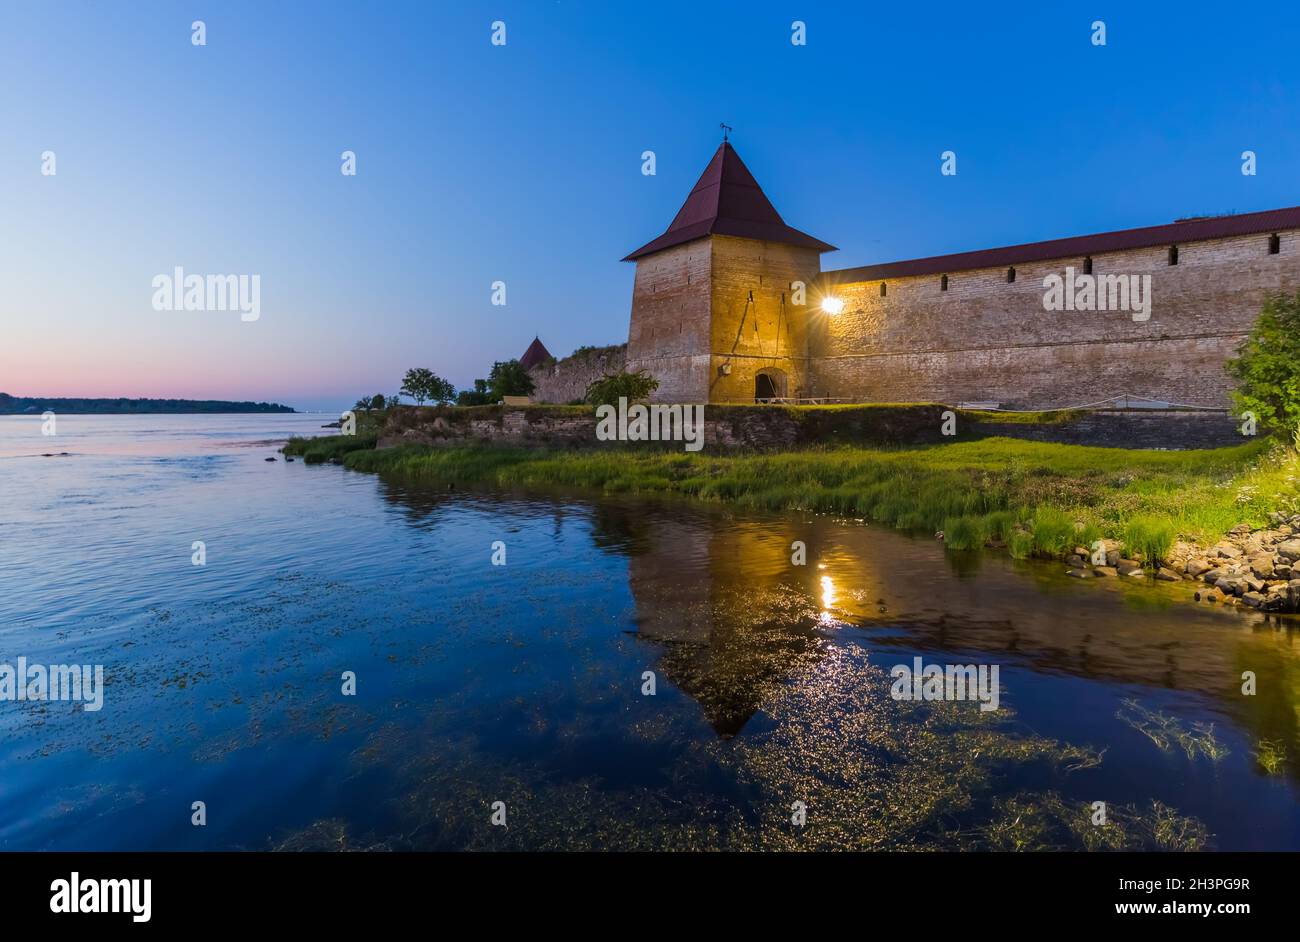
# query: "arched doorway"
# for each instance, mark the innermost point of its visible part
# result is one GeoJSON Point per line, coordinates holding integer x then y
{"type": "Point", "coordinates": [769, 384]}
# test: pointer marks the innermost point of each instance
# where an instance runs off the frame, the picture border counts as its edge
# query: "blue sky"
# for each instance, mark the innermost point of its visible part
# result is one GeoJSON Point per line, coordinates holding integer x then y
{"type": "Point", "coordinates": [522, 163]}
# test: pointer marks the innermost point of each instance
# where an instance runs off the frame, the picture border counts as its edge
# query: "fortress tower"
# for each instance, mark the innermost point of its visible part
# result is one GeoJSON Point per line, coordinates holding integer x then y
{"type": "Point", "coordinates": [1152, 313]}
{"type": "Point", "coordinates": [717, 314]}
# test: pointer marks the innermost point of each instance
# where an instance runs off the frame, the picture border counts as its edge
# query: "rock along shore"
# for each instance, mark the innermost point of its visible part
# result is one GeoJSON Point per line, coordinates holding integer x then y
{"type": "Point", "coordinates": [1258, 568]}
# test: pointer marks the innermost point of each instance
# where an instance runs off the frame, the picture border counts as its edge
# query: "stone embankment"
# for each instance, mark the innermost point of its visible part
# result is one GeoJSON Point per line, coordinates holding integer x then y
{"type": "Point", "coordinates": [775, 427]}
{"type": "Point", "coordinates": [1257, 568]}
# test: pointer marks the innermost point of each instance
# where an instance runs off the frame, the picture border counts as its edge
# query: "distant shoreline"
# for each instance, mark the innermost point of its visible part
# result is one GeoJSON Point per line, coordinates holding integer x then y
{"type": "Point", "coordinates": [72, 405]}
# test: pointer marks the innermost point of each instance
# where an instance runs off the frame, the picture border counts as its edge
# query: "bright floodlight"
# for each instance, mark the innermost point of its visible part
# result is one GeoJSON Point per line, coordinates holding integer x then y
{"type": "Point", "coordinates": [832, 305]}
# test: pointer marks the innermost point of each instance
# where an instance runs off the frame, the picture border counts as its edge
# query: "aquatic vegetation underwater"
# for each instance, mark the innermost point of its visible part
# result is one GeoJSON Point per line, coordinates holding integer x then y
{"type": "Point", "coordinates": [1270, 755]}
{"type": "Point", "coordinates": [1167, 732]}
{"type": "Point", "coordinates": [868, 772]}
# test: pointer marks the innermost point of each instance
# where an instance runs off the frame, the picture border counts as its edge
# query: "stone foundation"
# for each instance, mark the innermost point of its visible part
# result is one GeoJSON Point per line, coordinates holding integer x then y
{"type": "Point", "coordinates": [1135, 428]}
{"type": "Point", "coordinates": [779, 427]}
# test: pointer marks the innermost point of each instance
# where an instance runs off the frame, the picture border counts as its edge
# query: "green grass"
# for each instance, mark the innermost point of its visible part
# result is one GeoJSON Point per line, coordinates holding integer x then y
{"type": "Point", "coordinates": [1149, 538]}
{"type": "Point", "coordinates": [1040, 498]}
{"type": "Point", "coordinates": [1054, 531]}
{"type": "Point", "coordinates": [1000, 524]}
{"type": "Point", "coordinates": [317, 450]}
{"type": "Point", "coordinates": [1089, 534]}
{"type": "Point", "coordinates": [965, 533]}
{"type": "Point", "coordinates": [323, 448]}
{"type": "Point", "coordinates": [1021, 544]}
{"type": "Point", "coordinates": [1055, 417]}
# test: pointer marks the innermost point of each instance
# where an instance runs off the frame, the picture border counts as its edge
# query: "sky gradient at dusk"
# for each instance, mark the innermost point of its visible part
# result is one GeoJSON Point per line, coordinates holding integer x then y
{"type": "Point", "coordinates": [522, 163]}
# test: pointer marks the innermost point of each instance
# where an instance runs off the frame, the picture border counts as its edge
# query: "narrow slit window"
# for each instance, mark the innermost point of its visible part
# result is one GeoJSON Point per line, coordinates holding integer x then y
{"type": "Point", "coordinates": [883, 290]}
{"type": "Point", "coordinates": [1011, 275]}
{"type": "Point", "coordinates": [1173, 255]}
{"type": "Point", "coordinates": [1274, 244]}
{"type": "Point", "coordinates": [943, 282]}
{"type": "Point", "coordinates": [1087, 264]}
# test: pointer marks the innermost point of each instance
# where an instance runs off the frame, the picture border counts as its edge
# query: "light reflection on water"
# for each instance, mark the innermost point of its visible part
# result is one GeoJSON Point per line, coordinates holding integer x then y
{"type": "Point", "coordinates": [523, 683]}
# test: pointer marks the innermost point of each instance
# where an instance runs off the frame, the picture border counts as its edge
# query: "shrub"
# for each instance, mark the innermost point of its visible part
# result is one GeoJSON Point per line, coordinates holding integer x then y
{"type": "Point", "coordinates": [1149, 538]}
{"type": "Point", "coordinates": [508, 378]}
{"type": "Point", "coordinates": [478, 396]}
{"type": "Point", "coordinates": [1267, 367]}
{"type": "Point", "coordinates": [607, 390]}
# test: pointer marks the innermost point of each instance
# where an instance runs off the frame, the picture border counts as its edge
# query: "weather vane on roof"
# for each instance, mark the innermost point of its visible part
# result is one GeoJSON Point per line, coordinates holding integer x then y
{"type": "Point", "coordinates": [726, 129]}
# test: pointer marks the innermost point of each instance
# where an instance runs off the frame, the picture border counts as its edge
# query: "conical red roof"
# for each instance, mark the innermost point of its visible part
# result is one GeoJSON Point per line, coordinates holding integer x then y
{"type": "Point", "coordinates": [536, 353]}
{"type": "Point", "coordinates": [727, 200]}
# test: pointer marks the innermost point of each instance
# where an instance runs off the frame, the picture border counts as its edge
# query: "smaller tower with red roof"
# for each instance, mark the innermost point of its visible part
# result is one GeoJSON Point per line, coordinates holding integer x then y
{"type": "Point", "coordinates": [535, 354]}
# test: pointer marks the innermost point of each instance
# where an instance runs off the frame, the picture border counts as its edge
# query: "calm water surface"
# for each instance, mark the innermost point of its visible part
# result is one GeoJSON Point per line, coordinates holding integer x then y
{"type": "Point", "coordinates": [523, 683]}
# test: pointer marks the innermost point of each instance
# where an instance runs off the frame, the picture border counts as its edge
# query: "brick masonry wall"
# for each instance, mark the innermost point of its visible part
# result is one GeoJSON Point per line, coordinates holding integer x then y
{"type": "Point", "coordinates": [766, 334]}
{"type": "Point", "coordinates": [696, 329]}
{"type": "Point", "coordinates": [566, 380]}
{"type": "Point", "coordinates": [985, 339]}
{"type": "Point", "coordinates": [669, 331]}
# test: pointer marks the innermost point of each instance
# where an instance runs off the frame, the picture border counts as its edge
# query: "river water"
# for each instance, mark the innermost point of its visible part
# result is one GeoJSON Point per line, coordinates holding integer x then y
{"type": "Point", "coordinates": [527, 684]}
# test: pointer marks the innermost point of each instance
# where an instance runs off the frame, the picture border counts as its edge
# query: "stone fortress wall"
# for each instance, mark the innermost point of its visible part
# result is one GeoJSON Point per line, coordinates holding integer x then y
{"type": "Point", "coordinates": [716, 313]}
{"type": "Point", "coordinates": [566, 380]}
{"type": "Point", "coordinates": [984, 339]}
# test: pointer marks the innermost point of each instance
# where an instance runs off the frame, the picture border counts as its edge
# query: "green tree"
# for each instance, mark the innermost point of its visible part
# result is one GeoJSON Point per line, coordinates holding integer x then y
{"type": "Point", "coordinates": [377, 401]}
{"type": "Point", "coordinates": [508, 378]}
{"type": "Point", "coordinates": [364, 404]}
{"type": "Point", "coordinates": [421, 384]}
{"type": "Point", "coordinates": [1267, 367]}
{"type": "Point", "coordinates": [441, 391]}
{"type": "Point", "coordinates": [478, 396]}
{"type": "Point", "coordinates": [416, 384]}
{"type": "Point", "coordinates": [609, 388]}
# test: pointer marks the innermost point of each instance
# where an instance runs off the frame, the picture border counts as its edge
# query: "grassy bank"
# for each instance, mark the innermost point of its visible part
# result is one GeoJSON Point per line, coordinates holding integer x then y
{"type": "Point", "coordinates": [334, 447]}
{"type": "Point", "coordinates": [327, 447]}
{"type": "Point", "coordinates": [1038, 498]}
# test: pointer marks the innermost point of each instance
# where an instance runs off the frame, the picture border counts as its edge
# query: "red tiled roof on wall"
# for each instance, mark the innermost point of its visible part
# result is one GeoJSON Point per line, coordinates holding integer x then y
{"type": "Point", "coordinates": [1189, 230]}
